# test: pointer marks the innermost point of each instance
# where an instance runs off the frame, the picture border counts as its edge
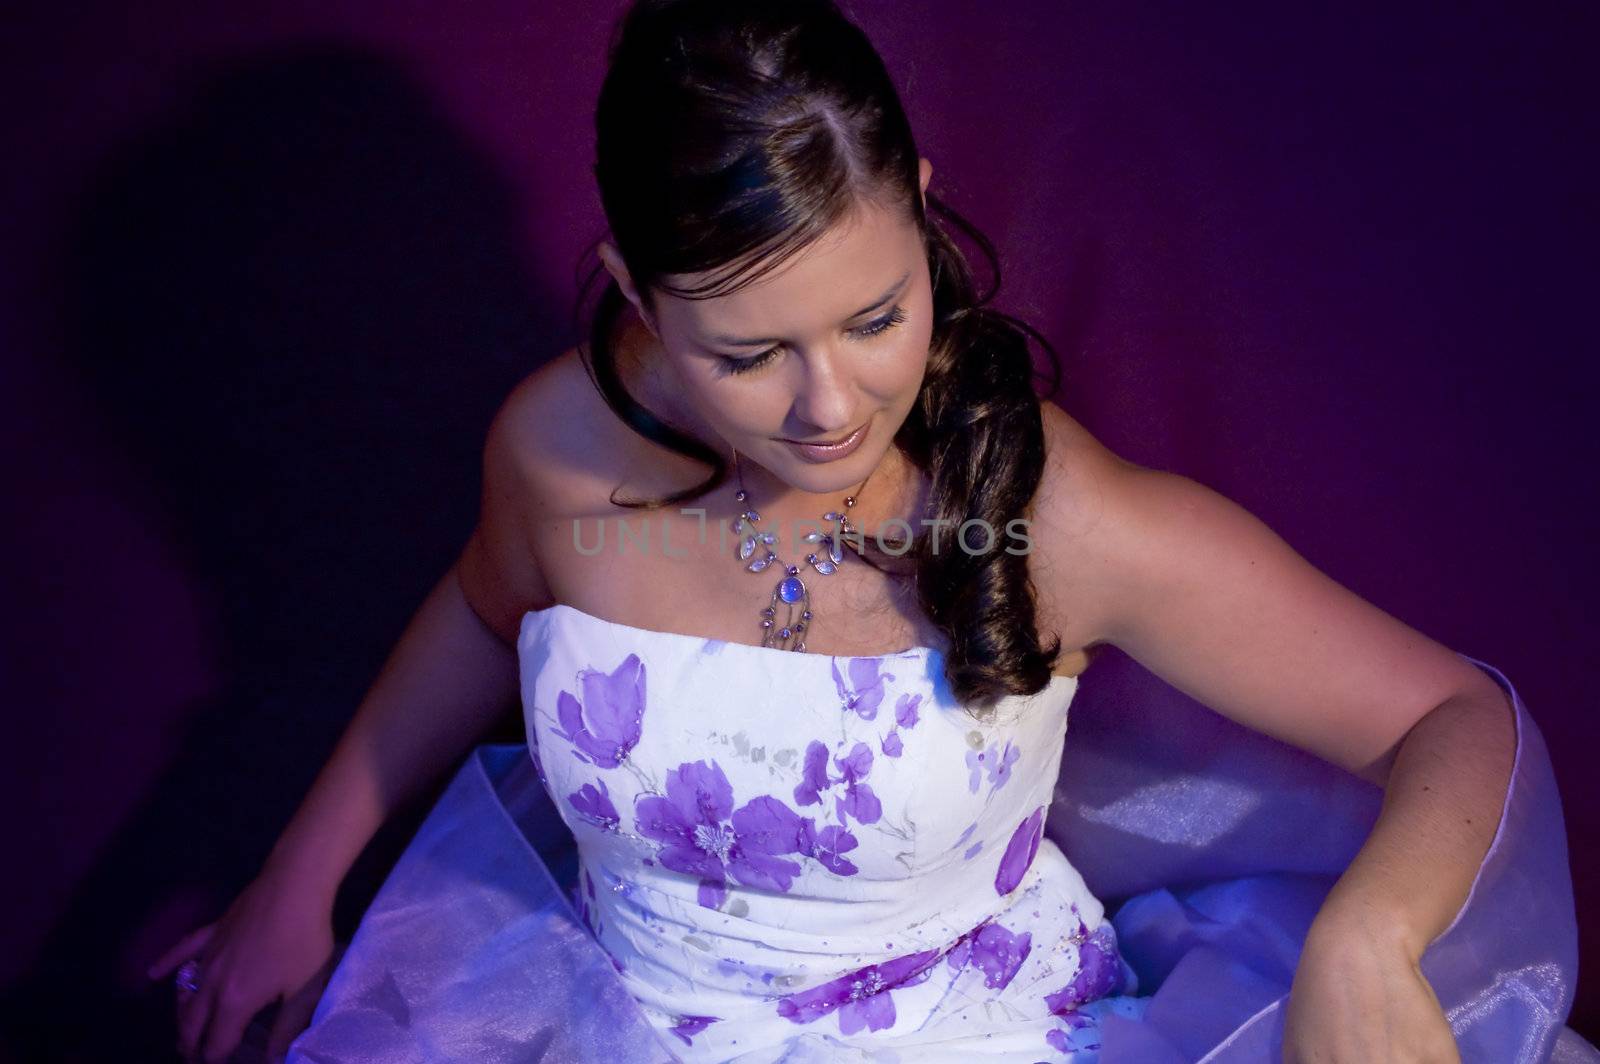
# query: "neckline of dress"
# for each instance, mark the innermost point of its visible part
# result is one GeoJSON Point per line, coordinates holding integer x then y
{"type": "Point", "coordinates": [933, 655]}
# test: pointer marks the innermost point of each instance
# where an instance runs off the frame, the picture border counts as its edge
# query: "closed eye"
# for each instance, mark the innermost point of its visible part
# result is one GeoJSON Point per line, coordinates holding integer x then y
{"type": "Point", "coordinates": [876, 327]}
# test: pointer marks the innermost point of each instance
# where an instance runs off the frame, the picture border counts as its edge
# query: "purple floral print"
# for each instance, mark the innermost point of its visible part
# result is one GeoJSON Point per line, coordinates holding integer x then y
{"type": "Point", "coordinates": [582, 895]}
{"type": "Point", "coordinates": [861, 997]}
{"type": "Point", "coordinates": [994, 762]}
{"type": "Point", "coordinates": [1000, 767]}
{"type": "Point", "coordinates": [1059, 1038]}
{"type": "Point", "coordinates": [606, 723]}
{"type": "Point", "coordinates": [687, 1026]}
{"type": "Point", "coordinates": [905, 716]}
{"type": "Point", "coordinates": [905, 710]}
{"type": "Point", "coordinates": [813, 776]}
{"type": "Point", "coordinates": [825, 846]}
{"type": "Point", "coordinates": [992, 949]}
{"type": "Point", "coordinates": [1099, 970]}
{"type": "Point", "coordinates": [864, 691]}
{"type": "Point", "coordinates": [703, 835]}
{"type": "Point", "coordinates": [1019, 853]}
{"type": "Point", "coordinates": [975, 765]}
{"type": "Point", "coordinates": [858, 800]}
{"type": "Point", "coordinates": [595, 805]}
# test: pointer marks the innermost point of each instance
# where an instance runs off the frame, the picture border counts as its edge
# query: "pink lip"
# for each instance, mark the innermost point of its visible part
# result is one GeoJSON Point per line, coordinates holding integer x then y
{"type": "Point", "coordinates": [829, 452]}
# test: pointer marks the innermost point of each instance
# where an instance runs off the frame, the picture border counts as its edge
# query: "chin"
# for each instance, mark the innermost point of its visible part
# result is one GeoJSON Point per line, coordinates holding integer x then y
{"type": "Point", "coordinates": [826, 478]}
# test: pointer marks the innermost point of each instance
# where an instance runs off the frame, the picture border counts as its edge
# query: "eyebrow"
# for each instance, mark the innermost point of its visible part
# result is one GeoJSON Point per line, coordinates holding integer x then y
{"type": "Point", "coordinates": [736, 341]}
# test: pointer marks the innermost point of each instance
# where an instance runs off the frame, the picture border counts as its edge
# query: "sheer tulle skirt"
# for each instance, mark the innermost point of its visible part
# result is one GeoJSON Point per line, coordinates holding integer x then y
{"type": "Point", "coordinates": [1212, 847]}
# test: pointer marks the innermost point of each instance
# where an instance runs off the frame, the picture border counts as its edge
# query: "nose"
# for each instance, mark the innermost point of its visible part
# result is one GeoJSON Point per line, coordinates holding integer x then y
{"type": "Point", "coordinates": [824, 403]}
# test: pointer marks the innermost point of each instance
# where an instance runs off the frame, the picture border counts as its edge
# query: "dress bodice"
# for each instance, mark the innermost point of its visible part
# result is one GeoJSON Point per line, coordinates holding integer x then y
{"type": "Point", "coordinates": [752, 822]}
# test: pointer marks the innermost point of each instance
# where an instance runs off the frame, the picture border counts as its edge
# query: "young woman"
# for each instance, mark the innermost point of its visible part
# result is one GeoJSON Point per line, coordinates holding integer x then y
{"type": "Point", "coordinates": [808, 773]}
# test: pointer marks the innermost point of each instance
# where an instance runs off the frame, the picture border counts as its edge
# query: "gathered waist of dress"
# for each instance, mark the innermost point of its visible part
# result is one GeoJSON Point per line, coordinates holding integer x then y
{"type": "Point", "coordinates": [665, 943]}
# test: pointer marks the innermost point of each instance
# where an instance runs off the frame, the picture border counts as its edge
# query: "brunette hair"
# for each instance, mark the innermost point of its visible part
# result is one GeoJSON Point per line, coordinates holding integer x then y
{"type": "Point", "coordinates": [730, 134]}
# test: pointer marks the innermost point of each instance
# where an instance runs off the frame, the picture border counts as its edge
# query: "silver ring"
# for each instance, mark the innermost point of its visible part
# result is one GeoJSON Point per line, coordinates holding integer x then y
{"type": "Point", "coordinates": [188, 977]}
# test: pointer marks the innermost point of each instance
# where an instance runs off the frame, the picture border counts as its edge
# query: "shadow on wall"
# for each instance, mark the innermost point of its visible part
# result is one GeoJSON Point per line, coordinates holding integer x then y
{"type": "Point", "coordinates": [297, 304]}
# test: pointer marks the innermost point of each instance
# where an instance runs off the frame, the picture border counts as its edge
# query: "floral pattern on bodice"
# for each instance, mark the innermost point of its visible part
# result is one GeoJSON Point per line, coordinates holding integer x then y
{"type": "Point", "coordinates": [771, 840]}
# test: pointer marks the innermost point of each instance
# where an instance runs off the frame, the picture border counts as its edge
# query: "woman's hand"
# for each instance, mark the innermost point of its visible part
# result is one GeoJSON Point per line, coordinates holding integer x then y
{"type": "Point", "coordinates": [274, 943]}
{"type": "Point", "coordinates": [1359, 995]}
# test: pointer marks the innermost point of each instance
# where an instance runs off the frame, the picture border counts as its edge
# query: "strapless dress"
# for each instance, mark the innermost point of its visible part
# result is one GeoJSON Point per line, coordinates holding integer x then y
{"type": "Point", "coordinates": [787, 853]}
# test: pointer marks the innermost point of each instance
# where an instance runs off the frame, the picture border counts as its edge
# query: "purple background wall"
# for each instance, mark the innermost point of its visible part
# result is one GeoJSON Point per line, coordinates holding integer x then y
{"type": "Point", "coordinates": [269, 268]}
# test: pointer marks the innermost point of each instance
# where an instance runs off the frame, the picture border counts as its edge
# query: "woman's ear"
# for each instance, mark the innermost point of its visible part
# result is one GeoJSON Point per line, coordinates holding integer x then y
{"type": "Point", "coordinates": [614, 265]}
{"type": "Point", "coordinates": [925, 171]}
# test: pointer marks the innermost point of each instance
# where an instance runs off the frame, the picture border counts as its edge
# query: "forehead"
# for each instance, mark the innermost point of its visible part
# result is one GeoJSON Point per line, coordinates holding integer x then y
{"type": "Point", "coordinates": [818, 287]}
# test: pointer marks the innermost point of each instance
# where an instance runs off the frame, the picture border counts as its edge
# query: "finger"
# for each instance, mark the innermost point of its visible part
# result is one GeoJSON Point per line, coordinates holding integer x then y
{"type": "Point", "coordinates": [298, 1008]}
{"type": "Point", "coordinates": [193, 1012]}
{"type": "Point", "coordinates": [227, 1026]}
{"type": "Point", "coordinates": [187, 946]}
{"type": "Point", "coordinates": [294, 1016]}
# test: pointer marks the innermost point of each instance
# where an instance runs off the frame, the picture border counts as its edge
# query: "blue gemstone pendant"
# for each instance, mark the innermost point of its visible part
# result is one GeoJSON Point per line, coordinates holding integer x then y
{"type": "Point", "coordinates": [790, 633]}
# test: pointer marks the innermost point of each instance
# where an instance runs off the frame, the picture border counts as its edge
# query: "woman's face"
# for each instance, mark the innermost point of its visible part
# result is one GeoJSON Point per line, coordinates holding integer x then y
{"type": "Point", "coordinates": [829, 346]}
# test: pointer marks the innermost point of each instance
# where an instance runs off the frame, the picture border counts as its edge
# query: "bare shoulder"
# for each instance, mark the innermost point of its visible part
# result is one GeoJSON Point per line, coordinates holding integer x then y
{"type": "Point", "coordinates": [1074, 528]}
{"type": "Point", "coordinates": [555, 430]}
{"type": "Point", "coordinates": [541, 457]}
{"type": "Point", "coordinates": [1213, 601]}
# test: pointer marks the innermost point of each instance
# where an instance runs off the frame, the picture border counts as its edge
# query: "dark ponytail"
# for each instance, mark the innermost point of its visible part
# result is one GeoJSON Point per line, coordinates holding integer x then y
{"type": "Point", "coordinates": [729, 135]}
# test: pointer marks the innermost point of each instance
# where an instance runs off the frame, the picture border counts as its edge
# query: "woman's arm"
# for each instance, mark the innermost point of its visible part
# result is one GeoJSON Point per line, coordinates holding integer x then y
{"type": "Point", "coordinates": [453, 671]}
{"type": "Point", "coordinates": [445, 683]}
{"type": "Point", "coordinates": [1441, 808]}
{"type": "Point", "coordinates": [1210, 599]}
{"type": "Point", "coordinates": [450, 676]}
{"type": "Point", "coordinates": [1362, 956]}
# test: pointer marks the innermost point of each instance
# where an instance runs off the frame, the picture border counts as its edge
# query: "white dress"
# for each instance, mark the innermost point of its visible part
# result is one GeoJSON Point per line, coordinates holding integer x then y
{"type": "Point", "coordinates": [798, 856]}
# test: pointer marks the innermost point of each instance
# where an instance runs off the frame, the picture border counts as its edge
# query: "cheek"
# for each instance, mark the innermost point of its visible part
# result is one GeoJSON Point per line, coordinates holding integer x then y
{"type": "Point", "coordinates": [735, 405]}
{"type": "Point", "coordinates": [902, 371]}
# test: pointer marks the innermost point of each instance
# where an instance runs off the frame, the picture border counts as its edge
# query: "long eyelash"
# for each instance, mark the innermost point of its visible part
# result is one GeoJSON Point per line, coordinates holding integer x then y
{"type": "Point", "coordinates": [897, 316]}
{"type": "Point", "coordinates": [745, 365]}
